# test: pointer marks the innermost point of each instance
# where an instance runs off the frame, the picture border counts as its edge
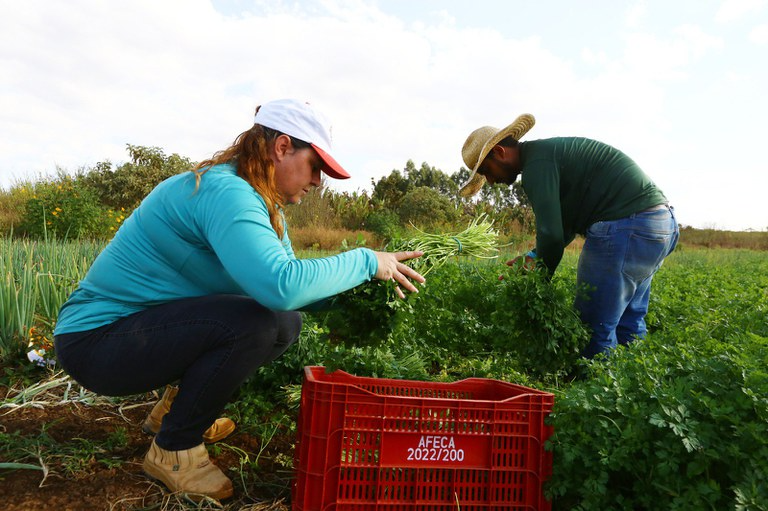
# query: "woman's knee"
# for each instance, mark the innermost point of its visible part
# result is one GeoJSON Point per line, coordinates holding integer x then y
{"type": "Point", "coordinates": [289, 325]}
{"type": "Point", "coordinates": [264, 330]}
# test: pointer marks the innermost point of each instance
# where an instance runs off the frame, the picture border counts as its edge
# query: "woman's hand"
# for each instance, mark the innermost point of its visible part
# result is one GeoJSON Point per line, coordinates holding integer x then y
{"type": "Point", "coordinates": [391, 268]}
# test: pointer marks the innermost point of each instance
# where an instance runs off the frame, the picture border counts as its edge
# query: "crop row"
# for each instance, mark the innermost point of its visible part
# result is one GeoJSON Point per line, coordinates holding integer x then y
{"type": "Point", "coordinates": [678, 421]}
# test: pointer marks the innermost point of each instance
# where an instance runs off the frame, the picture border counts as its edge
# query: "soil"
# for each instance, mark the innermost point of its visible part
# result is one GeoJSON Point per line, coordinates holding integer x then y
{"type": "Point", "coordinates": [107, 478]}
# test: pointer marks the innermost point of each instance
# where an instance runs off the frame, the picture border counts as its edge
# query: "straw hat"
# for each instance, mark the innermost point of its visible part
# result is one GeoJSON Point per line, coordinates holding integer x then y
{"type": "Point", "coordinates": [479, 144]}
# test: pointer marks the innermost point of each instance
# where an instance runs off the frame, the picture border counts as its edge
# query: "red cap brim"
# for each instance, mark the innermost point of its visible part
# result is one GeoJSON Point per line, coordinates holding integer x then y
{"type": "Point", "coordinates": [332, 167]}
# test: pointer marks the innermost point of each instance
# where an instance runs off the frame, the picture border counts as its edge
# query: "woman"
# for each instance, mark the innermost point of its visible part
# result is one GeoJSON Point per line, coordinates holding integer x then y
{"type": "Point", "coordinates": [201, 286]}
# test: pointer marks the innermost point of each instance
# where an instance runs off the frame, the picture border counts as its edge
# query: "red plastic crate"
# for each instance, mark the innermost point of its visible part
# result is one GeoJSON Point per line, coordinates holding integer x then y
{"type": "Point", "coordinates": [372, 444]}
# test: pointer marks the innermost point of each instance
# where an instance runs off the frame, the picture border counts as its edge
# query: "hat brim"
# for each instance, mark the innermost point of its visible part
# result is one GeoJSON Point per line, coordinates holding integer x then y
{"type": "Point", "coordinates": [331, 167]}
{"type": "Point", "coordinates": [517, 129]}
{"type": "Point", "coordinates": [474, 185]}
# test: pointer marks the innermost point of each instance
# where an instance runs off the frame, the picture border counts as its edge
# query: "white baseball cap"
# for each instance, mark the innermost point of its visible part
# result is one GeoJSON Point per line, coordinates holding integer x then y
{"type": "Point", "coordinates": [298, 119]}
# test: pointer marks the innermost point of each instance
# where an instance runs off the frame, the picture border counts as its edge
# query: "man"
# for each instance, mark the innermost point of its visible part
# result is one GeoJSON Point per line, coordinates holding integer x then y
{"type": "Point", "coordinates": [582, 186]}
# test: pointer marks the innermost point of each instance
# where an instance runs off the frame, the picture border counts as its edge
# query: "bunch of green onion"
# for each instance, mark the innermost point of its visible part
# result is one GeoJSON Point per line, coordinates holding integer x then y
{"type": "Point", "coordinates": [479, 240]}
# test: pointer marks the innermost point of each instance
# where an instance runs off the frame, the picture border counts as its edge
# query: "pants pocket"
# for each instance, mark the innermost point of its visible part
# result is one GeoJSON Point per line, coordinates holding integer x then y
{"type": "Point", "coordinates": [644, 255]}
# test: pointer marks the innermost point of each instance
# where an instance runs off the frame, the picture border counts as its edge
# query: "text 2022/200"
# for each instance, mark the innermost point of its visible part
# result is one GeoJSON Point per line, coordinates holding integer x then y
{"type": "Point", "coordinates": [435, 448]}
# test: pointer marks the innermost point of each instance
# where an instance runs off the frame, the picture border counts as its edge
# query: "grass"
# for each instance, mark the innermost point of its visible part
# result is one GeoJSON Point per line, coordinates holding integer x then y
{"type": "Point", "coordinates": [711, 238]}
{"type": "Point", "coordinates": [72, 457]}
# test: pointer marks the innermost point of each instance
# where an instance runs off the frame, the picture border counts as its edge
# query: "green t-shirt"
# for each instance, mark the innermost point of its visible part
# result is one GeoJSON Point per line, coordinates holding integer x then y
{"type": "Point", "coordinates": [574, 182]}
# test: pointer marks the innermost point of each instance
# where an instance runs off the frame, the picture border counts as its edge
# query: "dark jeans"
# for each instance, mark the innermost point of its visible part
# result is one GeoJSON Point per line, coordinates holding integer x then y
{"type": "Point", "coordinates": [209, 344]}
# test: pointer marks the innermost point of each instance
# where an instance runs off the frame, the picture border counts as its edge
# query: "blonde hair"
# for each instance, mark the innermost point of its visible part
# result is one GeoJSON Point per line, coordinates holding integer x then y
{"type": "Point", "coordinates": [250, 155]}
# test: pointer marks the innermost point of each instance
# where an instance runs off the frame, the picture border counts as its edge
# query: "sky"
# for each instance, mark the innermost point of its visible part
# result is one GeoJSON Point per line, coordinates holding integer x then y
{"type": "Point", "coordinates": [680, 86]}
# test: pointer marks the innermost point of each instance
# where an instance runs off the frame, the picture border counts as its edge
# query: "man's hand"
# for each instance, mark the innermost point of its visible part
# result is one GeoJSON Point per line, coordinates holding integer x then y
{"type": "Point", "coordinates": [524, 262]}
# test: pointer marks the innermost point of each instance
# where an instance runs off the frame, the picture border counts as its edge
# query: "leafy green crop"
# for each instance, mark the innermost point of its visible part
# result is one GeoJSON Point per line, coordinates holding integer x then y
{"type": "Point", "coordinates": [678, 421]}
{"type": "Point", "coordinates": [535, 319]}
{"type": "Point", "coordinates": [667, 426]}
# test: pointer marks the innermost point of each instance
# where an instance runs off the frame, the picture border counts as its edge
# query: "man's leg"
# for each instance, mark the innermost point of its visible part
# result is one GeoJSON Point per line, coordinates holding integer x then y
{"type": "Point", "coordinates": [617, 265]}
{"type": "Point", "coordinates": [603, 290]}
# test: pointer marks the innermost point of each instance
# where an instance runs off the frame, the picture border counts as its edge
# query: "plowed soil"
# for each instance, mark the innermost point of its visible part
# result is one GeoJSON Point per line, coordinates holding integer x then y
{"type": "Point", "coordinates": [106, 475]}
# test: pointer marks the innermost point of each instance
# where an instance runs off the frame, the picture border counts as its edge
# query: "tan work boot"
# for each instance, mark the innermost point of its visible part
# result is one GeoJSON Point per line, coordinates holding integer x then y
{"type": "Point", "coordinates": [220, 429]}
{"type": "Point", "coordinates": [190, 472]}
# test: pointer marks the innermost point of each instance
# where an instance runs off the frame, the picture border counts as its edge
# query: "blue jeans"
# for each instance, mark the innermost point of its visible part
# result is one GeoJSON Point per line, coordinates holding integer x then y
{"type": "Point", "coordinates": [209, 344]}
{"type": "Point", "coordinates": [615, 270]}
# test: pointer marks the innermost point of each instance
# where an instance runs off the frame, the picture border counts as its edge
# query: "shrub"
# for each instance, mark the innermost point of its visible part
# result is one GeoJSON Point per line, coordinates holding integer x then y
{"type": "Point", "coordinates": [125, 186]}
{"type": "Point", "coordinates": [352, 209]}
{"type": "Point", "coordinates": [59, 208]}
{"type": "Point", "coordinates": [385, 223]}
{"type": "Point", "coordinates": [315, 210]}
{"type": "Point", "coordinates": [12, 204]}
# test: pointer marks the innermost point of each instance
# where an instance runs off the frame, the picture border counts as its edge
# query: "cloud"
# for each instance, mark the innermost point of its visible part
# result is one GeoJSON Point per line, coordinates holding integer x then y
{"type": "Point", "coordinates": [734, 10]}
{"type": "Point", "coordinates": [84, 78]}
{"type": "Point", "coordinates": [181, 76]}
{"type": "Point", "coordinates": [759, 34]}
{"type": "Point", "coordinates": [636, 14]}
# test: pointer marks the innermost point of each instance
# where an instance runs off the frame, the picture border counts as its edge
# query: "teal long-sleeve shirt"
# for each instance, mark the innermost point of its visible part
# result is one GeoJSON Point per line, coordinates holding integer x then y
{"type": "Point", "coordinates": [573, 182]}
{"type": "Point", "coordinates": [182, 243]}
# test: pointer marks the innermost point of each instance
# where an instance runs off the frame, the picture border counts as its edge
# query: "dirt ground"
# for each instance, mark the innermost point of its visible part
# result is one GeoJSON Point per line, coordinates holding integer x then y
{"type": "Point", "coordinates": [118, 483]}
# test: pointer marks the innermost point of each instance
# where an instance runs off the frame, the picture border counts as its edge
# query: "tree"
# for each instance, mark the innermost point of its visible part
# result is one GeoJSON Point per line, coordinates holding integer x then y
{"type": "Point", "coordinates": [460, 177]}
{"type": "Point", "coordinates": [426, 208]}
{"type": "Point", "coordinates": [389, 190]}
{"type": "Point", "coordinates": [431, 177]}
{"type": "Point", "coordinates": [126, 185]}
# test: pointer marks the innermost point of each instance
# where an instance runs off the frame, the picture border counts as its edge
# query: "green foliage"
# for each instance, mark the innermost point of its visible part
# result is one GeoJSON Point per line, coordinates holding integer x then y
{"type": "Point", "coordinates": [37, 277]}
{"type": "Point", "coordinates": [389, 190]}
{"type": "Point", "coordinates": [17, 300]}
{"type": "Point", "coordinates": [451, 320]}
{"type": "Point", "coordinates": [678, 421]}
{"type": "Point", "coordinates": [12, 204]}
{"type": "Point", "coordinates": [318, 346]}
{"type": "Point", "coordinates": [431, 177]}
{"type": "Point", "coordinates": [466, 322]}
{"type": "Point", "coordinates": [535, 319]}
{"type": "Point", "coordinates": [75, 456]}
{"type": "Point", "coordinates": [711, 294]}
{"type": "Point", "coordinates": [62, 209]}
{"type": "Point", "coordinates": [527, 322]}
{"type": "Point", "coordinates": [315, 209]}
{"type": "Point", "coordinates": [352, 209]}
{"type": "Point", "coordinates": [384, 223]}
{"type": "Point", "coordinates": [369, 313]}
{"type": "Point", "coordinates": [501, 196]}
{"type": "Point", "coordinates": [93, 203]}
{"type": "Point", "coordinates": [366, 314]}
{"type": "Point", "coordinates": [667, 426]}
{"type": "Point", "coordinates": [124, 187]}
{"type": "Point", "coordinates": [516, 218]}
{"type": "Point", "coordinates": [426, 207]}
